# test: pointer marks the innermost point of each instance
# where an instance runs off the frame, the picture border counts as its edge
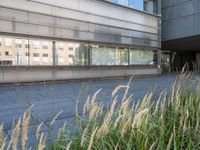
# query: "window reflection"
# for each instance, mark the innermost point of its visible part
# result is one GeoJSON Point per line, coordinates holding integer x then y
{"type": "Point", "coordinates": [152, 6]}
{"type": "Point", "coordinates": [23, 51]}
{"type": "Point", "coordinates": [142, 57]}
{"type": "Point", "coordinates": [104, 55]}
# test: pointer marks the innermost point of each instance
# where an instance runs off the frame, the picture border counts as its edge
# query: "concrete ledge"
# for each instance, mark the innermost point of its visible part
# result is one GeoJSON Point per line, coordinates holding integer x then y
{"type": "Point", "coordinates": [17, 74]}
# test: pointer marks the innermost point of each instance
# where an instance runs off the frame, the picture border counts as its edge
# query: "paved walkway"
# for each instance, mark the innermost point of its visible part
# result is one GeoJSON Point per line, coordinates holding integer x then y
{"type": "Point", "coordinates": [50, 99]}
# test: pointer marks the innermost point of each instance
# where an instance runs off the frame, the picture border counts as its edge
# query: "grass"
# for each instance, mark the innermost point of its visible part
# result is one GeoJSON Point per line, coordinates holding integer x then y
{"type": "Point", "coordinates": [169, 120]}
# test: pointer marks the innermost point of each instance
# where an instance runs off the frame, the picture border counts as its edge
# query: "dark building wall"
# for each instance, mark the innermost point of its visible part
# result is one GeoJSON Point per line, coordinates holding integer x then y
{"type": "Point", "coordinates": [181, 31]}
{"type": "Point", "coordinates": [181, 19]}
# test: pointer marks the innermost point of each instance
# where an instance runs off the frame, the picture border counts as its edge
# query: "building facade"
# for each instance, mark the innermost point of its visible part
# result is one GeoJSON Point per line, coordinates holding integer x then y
{"type": "Point", "coordinates": [181, 32]}
{"type": "Point", "coordinates": [100, 38]}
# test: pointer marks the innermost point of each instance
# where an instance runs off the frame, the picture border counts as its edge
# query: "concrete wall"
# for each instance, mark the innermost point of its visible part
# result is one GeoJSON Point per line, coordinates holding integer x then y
{"type": "Point", "coordinates": [180, 19]}
{"type": "Point", "coordinates": [91, 21]}
{"type": "Point", "coordinates": [84, 20]}
{"type": "Point", "coordinates": [45, 73]}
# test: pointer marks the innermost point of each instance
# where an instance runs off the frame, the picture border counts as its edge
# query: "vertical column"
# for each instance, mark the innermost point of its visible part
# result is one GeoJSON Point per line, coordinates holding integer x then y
{"type": "Point", "coordinates": [54, 56]}
{"type": "Point", "coordinates": [128, 56]}
{"type": "Point", "coordinates": [89, 55]}
{"type": "Point", "coordinates": [17, 53]}
{"type": "Point", "coordinates": [85, 59]}
{"type": "Point", "coordinates": [159, 61]}
{"type": "Point", "coordinates": [117, 61]}
{"type": "Point", "coordinates": [29, 55]}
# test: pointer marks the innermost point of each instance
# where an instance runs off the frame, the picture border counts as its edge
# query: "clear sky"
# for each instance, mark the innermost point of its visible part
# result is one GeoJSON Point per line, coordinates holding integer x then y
{"type": "Point", "coordinates": [138, 4]}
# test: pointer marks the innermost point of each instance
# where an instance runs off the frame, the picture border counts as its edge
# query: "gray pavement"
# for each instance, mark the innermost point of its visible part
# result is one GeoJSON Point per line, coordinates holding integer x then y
{"type": "Point", "coordinates": [50, 99]}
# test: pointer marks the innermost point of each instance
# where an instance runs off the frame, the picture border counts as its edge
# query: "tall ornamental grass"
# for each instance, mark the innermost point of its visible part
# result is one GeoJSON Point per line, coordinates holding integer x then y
{"type": "Point", "coordinates": [169, 120]}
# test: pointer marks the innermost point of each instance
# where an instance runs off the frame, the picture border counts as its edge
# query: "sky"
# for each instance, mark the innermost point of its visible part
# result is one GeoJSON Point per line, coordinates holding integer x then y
{"type": "Point", "coordinates": [138, 4]}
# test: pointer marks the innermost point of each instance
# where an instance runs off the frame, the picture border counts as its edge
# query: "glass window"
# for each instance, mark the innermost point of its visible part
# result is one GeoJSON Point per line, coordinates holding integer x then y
{"type": "Point", "coordinates": [82, 53]}
{"type": "Point", "coordinates": [45, 58]}
{"type": "Point", "coordinates": [45, 55]}
{"type": "Point", "coordinates": [141, 57]}
{"type": "Point", "coordinates": [70, 48]}
{"type": "Point", "coordinates": [5, 63]}
{"type": "Point", "coordinates": [102, 55]}
{"type": "Point", "coordinates": [36, 58]}
{"type": "Point", "coordinates": [41, 57]}
{"type": "Point", "coordinates": [152, 6]}
{"type": "Point", "coordinates": [61, 46]}
{"type": "Point", "coordinates": [27, 44]}
{"type": "Point", "coordinates": [7, 53]}
{"type": "Point", "coordinates": [36, 44]}
{"type": "Point", "coordinates": [27, 54]}
{"type": "Point", "coordinates": [36, 55]}
{"type": "Point", "coordinates": [165, 61]}
{"type": "Point", "coordinates": [18, 43]}
{"type": "Point", "coordinates": [123, 54]}
{"type": "Point", "coordinates": [74, 54]}
{"type": "Point", "coordinates": [71, 56]}
{"type": "Point", "coordinates": [45, 45]}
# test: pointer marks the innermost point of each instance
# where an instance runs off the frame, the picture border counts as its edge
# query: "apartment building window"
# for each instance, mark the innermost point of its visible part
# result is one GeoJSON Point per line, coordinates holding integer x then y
{"type": "Point", "coordinates": [61, 46]}
{"type": "Point", "coordinates": [5, 63]}
{"type": "Point", "coordinates": [8, 42]}
{"type": "Point", "coordinates": [45, 55]}
{"type": "Point", "coordinates": [152, 6]}
{"type": "Point", "coordinates": [7, 53]}
{"type": "Point", "coordinates": [18, 43]}
{"type": "Point", "coordinates": [71, 48]}
{"type": "Point", "coordinates": [27, 54]}
{"type": "Point", "coordinates": [71, 56]}
{"type": "Point", "coordinates": [45, 45]}
{"type": "Point", "coordinates": [36, 55]}
{"type": "Point", "coordinates": [36, 44]}
{"type": "Point", "coordinates": [27, 45]}
{"type": "Point", "coordinates": [138, 4]}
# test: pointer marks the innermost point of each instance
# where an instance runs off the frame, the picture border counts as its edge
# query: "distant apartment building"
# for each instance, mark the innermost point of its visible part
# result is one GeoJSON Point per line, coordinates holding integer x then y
{"type": "Point", "coordinates": [122, 36]}
{"type": "Point", "coordinates": [20, 51]}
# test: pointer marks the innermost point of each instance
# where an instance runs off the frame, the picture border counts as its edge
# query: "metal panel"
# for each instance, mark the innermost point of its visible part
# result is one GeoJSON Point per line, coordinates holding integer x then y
{"type": "Point", "coordinates": [180, 19]}
{"type": "Point", "coordinates": [80, 23]}
{"type": "Point", "coordinates": [178, 28]}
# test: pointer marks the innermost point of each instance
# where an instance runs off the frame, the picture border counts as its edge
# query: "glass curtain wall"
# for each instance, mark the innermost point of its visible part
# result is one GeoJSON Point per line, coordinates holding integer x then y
{"type": "Point", "coordinates": [40, 52]}
{"type": "Point", "coordinates": [33, 52]}
{"type": "Point", "coordinates": [152, 6]}
{"type": "Point", "coordinates": [72, 53]}
{"type": "Point", "coordinates": [13, 51]}
{"type": "Point", "coordinates": [143, 57]}
{"type": "Point", "coordinates": [102, 55]}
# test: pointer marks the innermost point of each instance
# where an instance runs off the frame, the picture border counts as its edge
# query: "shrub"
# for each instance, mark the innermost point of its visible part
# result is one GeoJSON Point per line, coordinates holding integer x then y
{"type": "Point", "coordinates": [169, 120]}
